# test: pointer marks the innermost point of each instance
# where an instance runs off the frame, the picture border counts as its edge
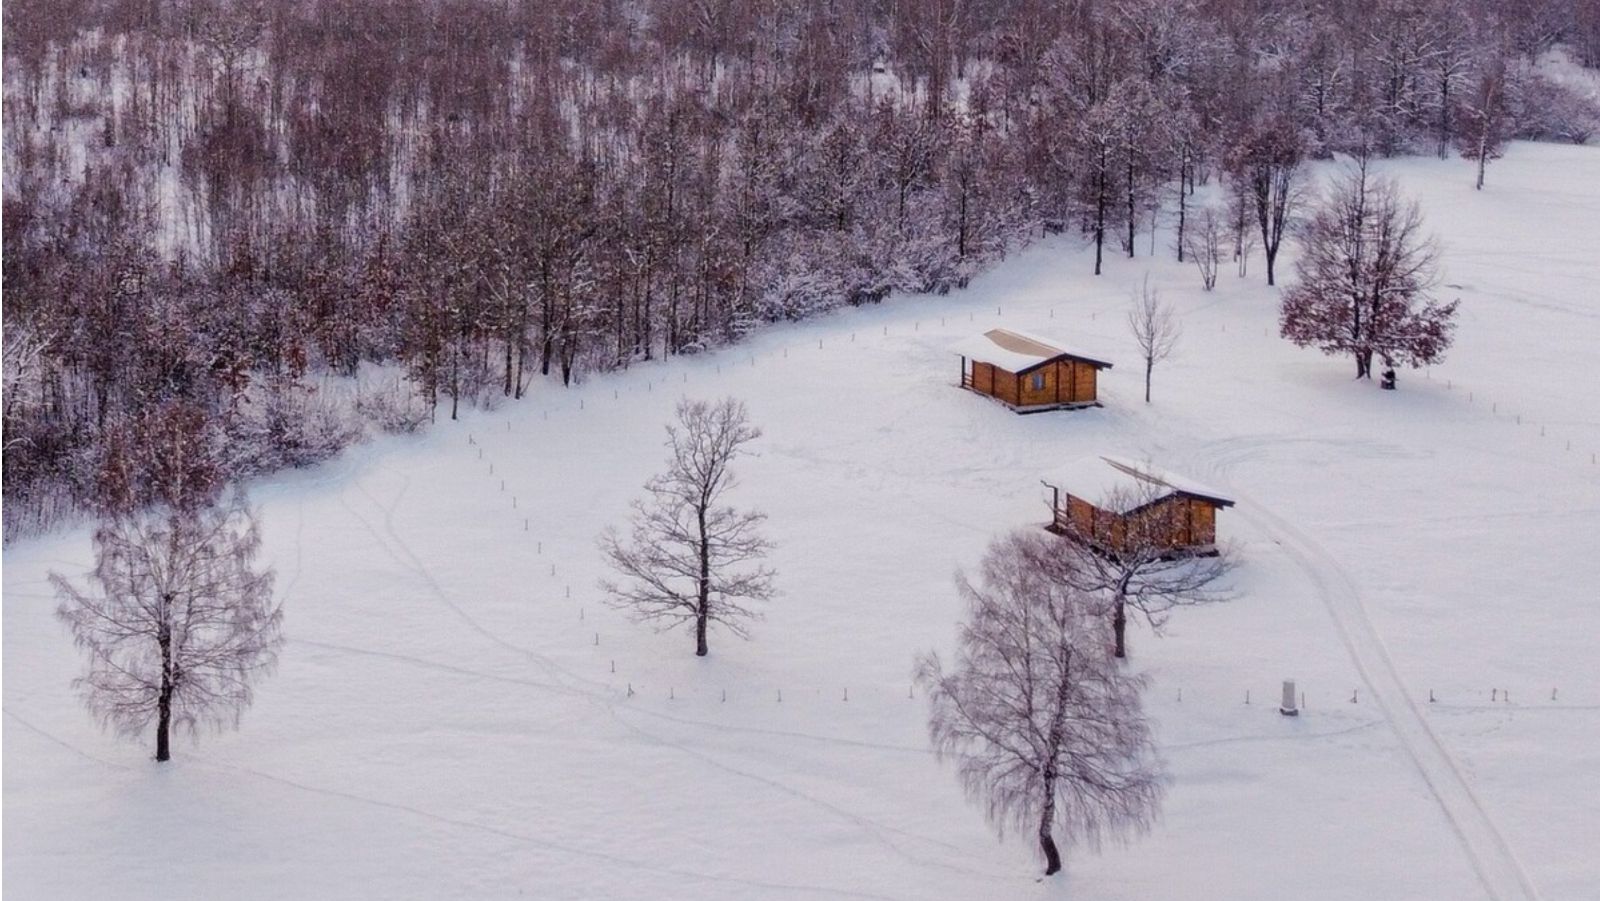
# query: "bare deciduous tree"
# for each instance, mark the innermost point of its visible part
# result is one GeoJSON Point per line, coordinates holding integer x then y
{"type": "Point", "coordinates": [1240, 231]}
{"type": "Point", "coordinates": [182, 622]}
{"type": "Point", "coordinates": [1266, 165]}
{"type": "Point", "coordinates": [491, 195]}
{"type": "Point", "coordinates": [1130, 559]}
{"type": "Point", "coordinates": [1486, 112]}
{"type": "Point", "coordinates": [1154, 327]}
{"type": "Point", "coordinates": [691, 557]}
{"type": "Point", "coordinates": [1203, 243]}
{"type": "Point", "coordinates": [1045, 729]}
{"type": "Point", "coordinates": [20, 390]}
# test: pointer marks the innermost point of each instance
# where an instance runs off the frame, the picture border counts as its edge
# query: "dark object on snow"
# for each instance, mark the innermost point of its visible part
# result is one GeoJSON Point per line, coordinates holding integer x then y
{"type": "Point", "coordinates": [1388, 379]}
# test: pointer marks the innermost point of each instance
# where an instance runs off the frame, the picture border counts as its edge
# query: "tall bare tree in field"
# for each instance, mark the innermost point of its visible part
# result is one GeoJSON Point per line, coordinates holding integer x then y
{"type": "Point", "coordinates": [1365, 279]}
{"type": "Point", "coordinates": [1155, 328]}
{"type": "Point", "coordinates": [180, 623]}
{"type": "Point", "coordinates": [1043, 726]}
{"type": "Point", "coordinates": [690, 557]}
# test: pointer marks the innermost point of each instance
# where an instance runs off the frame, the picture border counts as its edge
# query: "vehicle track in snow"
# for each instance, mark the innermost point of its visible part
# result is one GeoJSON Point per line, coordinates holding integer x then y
{"type": "Point", "coordinates": [1498, 869]}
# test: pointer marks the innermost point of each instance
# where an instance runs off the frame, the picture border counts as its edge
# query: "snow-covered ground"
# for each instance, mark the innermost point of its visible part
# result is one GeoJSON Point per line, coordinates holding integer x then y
{"type": "Point", "coordinates": [446, 721]}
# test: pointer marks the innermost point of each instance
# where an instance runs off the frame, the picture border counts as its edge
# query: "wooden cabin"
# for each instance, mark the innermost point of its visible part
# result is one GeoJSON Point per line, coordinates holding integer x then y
{"type": "Point", "coordinates": [1028, 374]}
{"type": "Point", "coordinates": [1114, 503]}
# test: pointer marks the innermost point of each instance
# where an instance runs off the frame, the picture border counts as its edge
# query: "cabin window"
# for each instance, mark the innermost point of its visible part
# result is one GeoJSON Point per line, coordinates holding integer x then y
{"type": "Point", "coordinates": [1037, 381]}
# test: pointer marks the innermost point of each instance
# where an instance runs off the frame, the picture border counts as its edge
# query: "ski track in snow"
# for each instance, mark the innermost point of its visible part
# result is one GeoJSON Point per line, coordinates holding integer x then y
{"type": "Point", "coordinates": [54, 739]}
{"type": "Point", "coordinates": [1496, 864]}
{"type": "Point", "coordinates": [489, 639]}
{"type": "Point", "coordinates": [644, 711]}
{"type": "Point", "coordinates": [545, 843]}
{"type": "Point", "coordinates": [395, 547]}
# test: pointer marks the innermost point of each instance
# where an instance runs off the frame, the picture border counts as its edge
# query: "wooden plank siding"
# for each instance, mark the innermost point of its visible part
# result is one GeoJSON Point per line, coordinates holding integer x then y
{"type": "Point", "coordinates": [1084, 381]}
{"type": "Point", "coordinates": [1061, 382]}
{"type": "Point", "coordinates": [1185, 522]}
{"type": "Point", "coordinates": [1008, 387]}
{"type": "Point", "coordinates": [983, 378]}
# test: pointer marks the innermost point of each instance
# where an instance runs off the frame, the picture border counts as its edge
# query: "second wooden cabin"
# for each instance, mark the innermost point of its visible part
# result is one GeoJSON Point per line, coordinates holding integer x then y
{"type": "Point", "coordinates": [1028, 374]}
{"type": "Point", "coordinates": [1115, 504]}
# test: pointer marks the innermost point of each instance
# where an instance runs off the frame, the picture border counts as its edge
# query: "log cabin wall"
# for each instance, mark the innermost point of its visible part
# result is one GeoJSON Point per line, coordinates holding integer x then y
{"type": "Point", "coordinates": [1079, 515]}
{"type": "Point", "coordinates": [1039, 387]}
{"type": "Point", "coordinates": [1175, 521]}
{"type": "Point", "coordinates": [1083, 381]}
{"type": "Point", "coordinates": [1202, 522]}
{"type": "Point", "coordinates": [1061, 382]}
{"type": "Point", "coordinates": [1166, 521]}
{"type": "Point", "coordinates": [1065, 381]}
{"type": "Point", "coordinates": [1066, 385]}
{"type": "Point", "coordinates": [1007, 386]}
{"type": "Point", "coordinates": [983, 377]}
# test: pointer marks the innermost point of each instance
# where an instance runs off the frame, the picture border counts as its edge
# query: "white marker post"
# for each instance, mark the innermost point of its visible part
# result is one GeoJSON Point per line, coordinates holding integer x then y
{"type": "Point", "coordinates": [1288, 707]}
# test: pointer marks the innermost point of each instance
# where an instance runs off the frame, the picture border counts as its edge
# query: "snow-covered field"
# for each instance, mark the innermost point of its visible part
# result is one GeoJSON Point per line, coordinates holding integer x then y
{"type": "Point", "coordinates": [446, 721]}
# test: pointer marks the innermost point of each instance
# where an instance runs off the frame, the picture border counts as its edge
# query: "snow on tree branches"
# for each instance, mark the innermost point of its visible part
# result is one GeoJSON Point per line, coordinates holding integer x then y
{"type": "Point", "coordinates": [1365, 277]}
{"type": "Point", "coordinates": [1486, 112]}
{"type": "Point", "coordinates": [1266, 165]}
{"type": "Point", "coordinates": [1204, 245]}
{"type": "Point", "coordinates": [1045, 729]}
{"type": "Point", "coordinates": [691, 558]}
{"type": "Point", "coordinates": [182, 623]}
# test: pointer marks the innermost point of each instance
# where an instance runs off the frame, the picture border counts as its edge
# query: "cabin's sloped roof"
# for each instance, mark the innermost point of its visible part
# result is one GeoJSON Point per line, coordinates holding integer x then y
{"type": "Point", "coordinates": [1120, 485]}
{"type": "Point", "coordinates": [1016, 351]}
{"type": "Point", "coordinates": [1179, 483]}
{"type": "Point", "coordinates": [1101, 484]}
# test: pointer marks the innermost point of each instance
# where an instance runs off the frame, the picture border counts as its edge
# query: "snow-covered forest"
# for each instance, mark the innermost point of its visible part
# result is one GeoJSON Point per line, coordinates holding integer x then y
{"type": "Point", "coordinates": [229, 206]}
{"type": "Point", "coordinates": [893, 449]}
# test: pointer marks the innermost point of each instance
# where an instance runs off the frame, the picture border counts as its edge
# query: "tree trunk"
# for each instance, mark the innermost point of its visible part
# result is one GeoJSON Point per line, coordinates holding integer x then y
{"type": "Point", "coordinates": [1049, 775]}
{"type": "Point", "coordinates": [1099, 222]}
{"type": "Point", "coordinates": [961, 241]}
{"type": "Point", "coordinates": [455, 383]}
{"type": "Point", "coordinates": [1149, 365]}
{"type": "Point", "coordinates": [546, 320]}
{"type": "Point", "coordinates": [703, 612]}
{"type": "Point", "coordinates": [1119, 626]}
{"type": "Point", "coordinates": [1444, 115]}
{"type": "Point", "coordinates": [1133, 219]}
{"type": "Point", "coordinates": [1182, 210]}
{"type": "Point", "coordinates": [1047, 844]}
{"type": "Point", "coordinates": [164, 700]}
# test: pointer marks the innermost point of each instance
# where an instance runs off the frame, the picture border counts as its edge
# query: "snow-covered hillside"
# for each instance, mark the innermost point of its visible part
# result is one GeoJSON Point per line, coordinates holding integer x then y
{"type": "Point", "coordinates": [456, 715]}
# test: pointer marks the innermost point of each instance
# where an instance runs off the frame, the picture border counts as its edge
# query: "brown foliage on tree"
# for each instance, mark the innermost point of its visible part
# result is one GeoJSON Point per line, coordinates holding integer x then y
{"type": "Point", "coordinates": [1365, 279]}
